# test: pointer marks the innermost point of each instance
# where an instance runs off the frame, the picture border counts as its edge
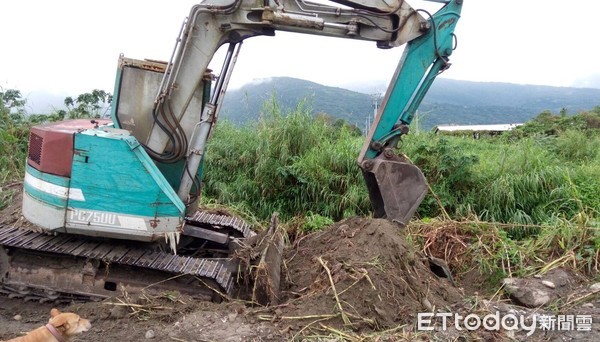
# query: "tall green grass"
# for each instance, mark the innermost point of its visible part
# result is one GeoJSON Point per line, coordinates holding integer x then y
{"type": "Point", "coordinates": [292, 163]}
{"type": "Point", "coordinates": [14, 133]}
{"type": "Point", "coordinates": [299, 165]}
{"type": "Point", "coordinates": [526, 182]}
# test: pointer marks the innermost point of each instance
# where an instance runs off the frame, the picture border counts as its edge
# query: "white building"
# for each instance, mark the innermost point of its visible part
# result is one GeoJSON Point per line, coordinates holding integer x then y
{"type": "Point", "coordinates": [477, 130]}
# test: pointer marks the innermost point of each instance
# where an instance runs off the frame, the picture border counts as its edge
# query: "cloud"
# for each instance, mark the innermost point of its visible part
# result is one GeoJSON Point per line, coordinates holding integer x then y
{"type": "Point", "coordinates": [591, 81]}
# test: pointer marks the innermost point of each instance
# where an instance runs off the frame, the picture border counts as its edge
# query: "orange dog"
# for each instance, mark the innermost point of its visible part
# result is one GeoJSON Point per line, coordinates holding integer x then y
{"type": "Point", "coordinates": [60, 328]}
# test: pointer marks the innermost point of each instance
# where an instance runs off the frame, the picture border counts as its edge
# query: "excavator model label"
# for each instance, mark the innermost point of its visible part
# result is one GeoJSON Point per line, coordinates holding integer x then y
{"type": "Point", "coordinates": [78, 218]}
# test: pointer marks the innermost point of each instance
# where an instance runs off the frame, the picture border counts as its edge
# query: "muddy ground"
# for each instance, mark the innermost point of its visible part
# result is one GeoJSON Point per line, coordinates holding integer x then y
{"type": "Point", "coordinates": [360, 279]}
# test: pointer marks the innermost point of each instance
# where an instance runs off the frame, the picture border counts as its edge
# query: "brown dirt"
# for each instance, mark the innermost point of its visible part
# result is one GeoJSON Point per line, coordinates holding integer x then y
{"type": "Point", "coordinates": [11, 215]}
{"type": "Point", "coordinates": [174, 319]}
{"type": "Point", "coordinates": [381, 281]}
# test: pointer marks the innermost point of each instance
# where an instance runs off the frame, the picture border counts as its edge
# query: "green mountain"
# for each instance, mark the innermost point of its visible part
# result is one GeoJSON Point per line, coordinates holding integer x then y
{"type": "Point", "coordinates": [447, 102]}
{"type": "Point", "coordinates": [243, 105]}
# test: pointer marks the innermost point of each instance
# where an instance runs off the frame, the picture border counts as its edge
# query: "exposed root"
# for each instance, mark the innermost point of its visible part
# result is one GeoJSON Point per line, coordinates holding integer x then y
{"type": "Point", "coordinates": [260, 264]}
{"type": "Point", "coordinates": [337, 299]}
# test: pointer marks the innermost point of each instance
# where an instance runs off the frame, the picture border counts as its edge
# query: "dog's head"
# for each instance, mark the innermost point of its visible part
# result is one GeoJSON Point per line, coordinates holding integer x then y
{"type": "Point", "coordinates": [68, 323]}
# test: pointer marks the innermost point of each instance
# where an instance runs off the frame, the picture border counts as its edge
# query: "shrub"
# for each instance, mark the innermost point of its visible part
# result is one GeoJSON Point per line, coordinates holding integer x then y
{"type": "Point", "coordinates": [448, 167]}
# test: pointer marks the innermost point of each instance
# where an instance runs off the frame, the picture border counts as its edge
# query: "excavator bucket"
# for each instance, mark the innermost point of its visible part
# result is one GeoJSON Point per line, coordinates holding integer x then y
{"type": "Point", "coordinates": [261, 258]}
{"type": "Point", "coordinates": [396, 188]}
{"type": "Point", "coordinates": [267, 272]}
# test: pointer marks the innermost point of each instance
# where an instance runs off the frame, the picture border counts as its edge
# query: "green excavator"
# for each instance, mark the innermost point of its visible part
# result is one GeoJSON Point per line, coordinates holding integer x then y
{"type": "Point", "coordinates": [113, 204]}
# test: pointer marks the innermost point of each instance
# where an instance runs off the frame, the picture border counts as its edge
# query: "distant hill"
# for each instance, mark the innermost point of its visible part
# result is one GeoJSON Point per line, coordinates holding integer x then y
{"type": "Point", "coordinates": [447, 102]}
{"type": "Point", "coordinates": [463, 102]}
{"type": "Point", "coordinates": [244, 104]}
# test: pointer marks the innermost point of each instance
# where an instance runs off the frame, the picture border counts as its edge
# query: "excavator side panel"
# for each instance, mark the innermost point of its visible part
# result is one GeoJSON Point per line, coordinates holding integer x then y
{"type": "Point", "coordinates": [48, 172]}
{"type": "Point", "coordinates": [45, 199]}
{"type": "Point", "coordinates": [123, 194]}
{"type": "Point", "coordinates": [104, 184]}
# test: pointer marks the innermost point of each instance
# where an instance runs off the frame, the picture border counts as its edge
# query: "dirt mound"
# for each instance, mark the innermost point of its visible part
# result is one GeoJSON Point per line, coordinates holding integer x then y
{"type": "Point", "coordinates": [360, 273]}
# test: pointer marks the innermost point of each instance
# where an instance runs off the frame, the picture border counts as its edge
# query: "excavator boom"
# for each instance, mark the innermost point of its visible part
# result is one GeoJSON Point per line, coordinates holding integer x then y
{"type": "Point", "coordinates": [396, 187]}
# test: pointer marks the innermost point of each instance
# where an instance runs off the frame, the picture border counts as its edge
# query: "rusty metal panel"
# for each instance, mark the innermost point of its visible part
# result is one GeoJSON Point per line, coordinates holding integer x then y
{"type": "Point", "coordinates": [51, 145]}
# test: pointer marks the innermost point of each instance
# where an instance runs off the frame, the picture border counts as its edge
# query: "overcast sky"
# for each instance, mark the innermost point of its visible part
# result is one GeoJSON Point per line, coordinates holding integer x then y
{"type": "Point", "coordinates": [70, 47]}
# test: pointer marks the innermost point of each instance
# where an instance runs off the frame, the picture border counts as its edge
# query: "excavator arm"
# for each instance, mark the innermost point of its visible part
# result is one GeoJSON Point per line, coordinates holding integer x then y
{"type": "Point", "coordinates": [396, 187]}
{"type": "Point", "coordinates": [387, 23]}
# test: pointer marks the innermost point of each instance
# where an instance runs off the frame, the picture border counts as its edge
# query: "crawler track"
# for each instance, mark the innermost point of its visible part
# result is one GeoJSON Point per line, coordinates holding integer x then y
{"type": "Point", "coordinates": [220, 222]}
{"type": "Point", "coordinates": [36, 265]}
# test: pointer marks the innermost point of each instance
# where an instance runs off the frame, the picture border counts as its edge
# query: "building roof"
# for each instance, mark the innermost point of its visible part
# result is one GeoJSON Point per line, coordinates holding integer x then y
{"type": "Point", "coordinates": [480, 128]}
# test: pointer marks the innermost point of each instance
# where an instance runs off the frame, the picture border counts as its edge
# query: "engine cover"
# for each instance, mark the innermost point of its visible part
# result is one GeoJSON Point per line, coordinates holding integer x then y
{"type": "Point", "coordinates": [51, 145]}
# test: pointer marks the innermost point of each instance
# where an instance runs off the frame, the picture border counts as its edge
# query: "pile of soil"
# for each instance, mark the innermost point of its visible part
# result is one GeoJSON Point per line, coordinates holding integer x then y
{"type": "Point", "coordinates": [378, 277]}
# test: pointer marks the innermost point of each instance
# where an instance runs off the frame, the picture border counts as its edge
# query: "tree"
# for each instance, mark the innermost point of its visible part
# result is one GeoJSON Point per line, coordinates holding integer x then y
{"type": "Point", "coordinates": [12, 100]}
{"type": "Point", "coordinates": [12, 107]}
{"type": "Point", "coordinates": [87, 105]}
{"type": "Point", "coordinates": [14, 131]}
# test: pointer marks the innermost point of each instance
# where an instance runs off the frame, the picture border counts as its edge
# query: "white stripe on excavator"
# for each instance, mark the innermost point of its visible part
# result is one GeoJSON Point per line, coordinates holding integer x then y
{"type": "Point", "coordinates": [53, 189]}
{"type": "Point", "coordinates": [131, 222]}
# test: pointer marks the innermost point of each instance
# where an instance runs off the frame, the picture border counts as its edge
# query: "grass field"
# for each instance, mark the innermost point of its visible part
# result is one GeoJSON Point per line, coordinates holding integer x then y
{"type": "Point", "coordinates": [299, 165]}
